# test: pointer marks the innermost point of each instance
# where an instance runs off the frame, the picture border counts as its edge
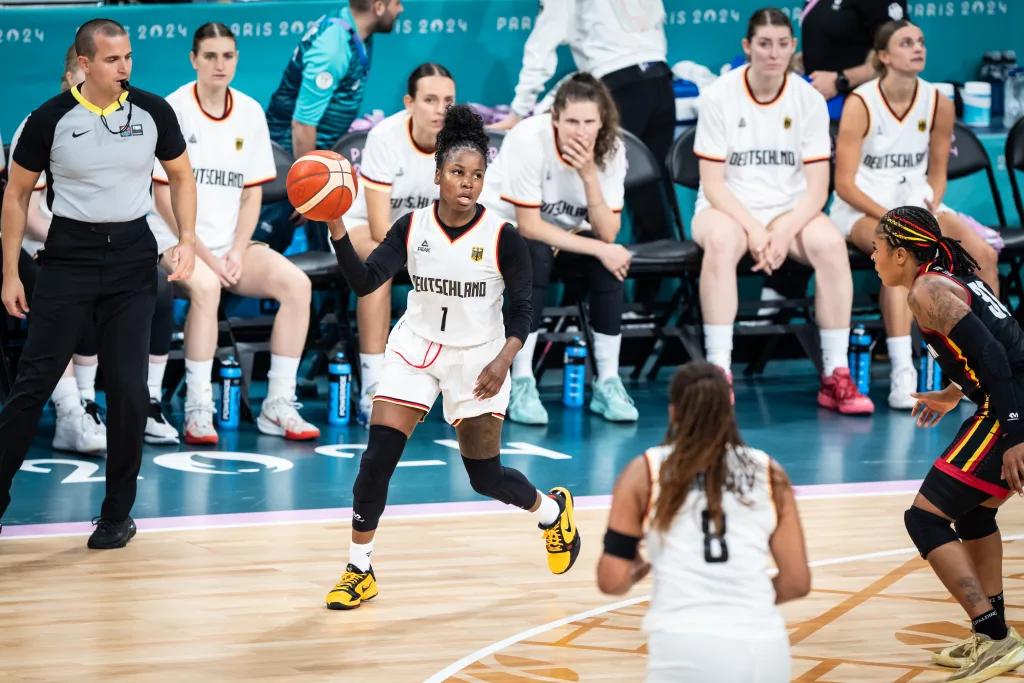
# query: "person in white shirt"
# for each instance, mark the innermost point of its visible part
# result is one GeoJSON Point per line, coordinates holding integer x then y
{"type": "Point", "coordinates": [229, 148]}
{"type": "Point", "coordinates": [79, 424]}
{"type": "Point", "coordinates": [763, 144]}
{"type": "Point", "coordinates": [397, 176]}
{"type": "Point", "coordinates": [893, 150]}
{"type": "Point", "coordinates": [711, 511]}
{"type": "Point", "coordinates": [624, 45]}
{"type": "Point", "coordinates": [559, 177]}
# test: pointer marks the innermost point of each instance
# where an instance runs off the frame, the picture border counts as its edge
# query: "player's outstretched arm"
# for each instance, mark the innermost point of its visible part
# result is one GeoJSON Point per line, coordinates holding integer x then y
{"type": "Point", "coordinates": [381, 265]}
{"type": "Point", "coordinates": [787, 542]}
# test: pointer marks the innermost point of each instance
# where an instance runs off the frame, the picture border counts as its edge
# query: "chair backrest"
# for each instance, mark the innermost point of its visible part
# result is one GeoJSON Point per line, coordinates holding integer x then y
{"type": "Point", "coordinates": [641, 164]}
{"type": "Point", "coordinates": [967, 156]}
{"type": "Point", "coordinates": [275, 190]}
{"type": "Point", "coordinates": [683, 165]}
{"type": "Point", "coordinates": [350, 145]}
{"type": "Point", "coordinates": [1014, 163]}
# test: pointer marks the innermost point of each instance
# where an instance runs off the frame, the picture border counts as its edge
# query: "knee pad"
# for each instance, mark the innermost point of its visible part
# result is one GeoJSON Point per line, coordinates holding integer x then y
{"type": "Point", "coordinates": [978, 523]}
{"type": "Point", "coordinates": [489, 478]}
{"type": "Point", "coordinates": [928, 531]}
{"type": "Point", "coordinates": [370, 491]}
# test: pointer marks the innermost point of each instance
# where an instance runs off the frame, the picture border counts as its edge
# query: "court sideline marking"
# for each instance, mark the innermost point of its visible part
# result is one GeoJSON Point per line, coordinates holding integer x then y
{"type": "Point", "coordinates": [457, 666]}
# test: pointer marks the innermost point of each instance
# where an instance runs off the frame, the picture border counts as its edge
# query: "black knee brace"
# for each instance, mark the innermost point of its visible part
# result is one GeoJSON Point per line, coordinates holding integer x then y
{"type": "Point", "coordinates": [978, 523]}
{"type": "Point", "coordinates": [370, 491]}
{"type": "Point", "coordinates": [928, 531]}
{"type": "Point", "coordinates": [489, 478]}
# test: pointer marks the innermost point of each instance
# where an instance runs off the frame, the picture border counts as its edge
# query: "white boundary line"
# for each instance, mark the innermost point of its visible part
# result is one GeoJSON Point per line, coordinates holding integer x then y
{"type": "Point", "coordinates": [456, 667]}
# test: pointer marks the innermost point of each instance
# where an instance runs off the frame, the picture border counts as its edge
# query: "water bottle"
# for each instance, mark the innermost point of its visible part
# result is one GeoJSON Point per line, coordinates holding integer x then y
{"type": "Point", "coordinates": [230, 394]}
{"type": "Point", "coordinates": [339, 392]}
{"type": "Point", "coordinates": [929, 373]}
{"type": "Point", "coordinates": [860, 358]}
{"type": "Point", "coordinates": [575, 373]}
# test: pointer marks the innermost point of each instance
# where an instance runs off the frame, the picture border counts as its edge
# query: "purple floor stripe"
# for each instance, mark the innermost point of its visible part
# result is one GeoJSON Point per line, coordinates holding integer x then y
{"type": "Point", "coordinates": [396, 511]}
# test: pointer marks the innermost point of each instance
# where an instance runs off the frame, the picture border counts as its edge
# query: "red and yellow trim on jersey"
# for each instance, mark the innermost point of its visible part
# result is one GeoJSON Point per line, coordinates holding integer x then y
{"type": "Point", "coordinates": [469, 227]}
{"type": "Point", "coordinates": [750, 93]}
{"type": "Point", "coordinates": [959, 355]}
{"type": "Point", "coordinates": [403, 402]}
{"type": "Point", "coordinates": [459, 420]}
{"type": "Point", "coordinates": [412, 141]}
{"type": "Point", "coordinates": [958, 445]}
{"type": "Point", "coordinates": [378, 185]}
{"type": "Point", "coordinates": [229, 104]}
{"type": "Point", "coordinates": [520, 202]}
{"type": "Point", "coordinates": [708, 157]}
{"type": "Point", "coordinates": [161, 181]}
{"type": "Point", "coordinates": [885, 100]}
{"type": "Point", "coordinates": [815, 160]}
{"type": "Point", "coordinates": [261, 181]}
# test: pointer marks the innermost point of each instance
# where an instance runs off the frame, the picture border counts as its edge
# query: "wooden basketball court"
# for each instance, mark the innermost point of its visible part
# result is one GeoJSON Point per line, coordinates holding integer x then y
{"type": "Point", "coordinates": [463, 598]}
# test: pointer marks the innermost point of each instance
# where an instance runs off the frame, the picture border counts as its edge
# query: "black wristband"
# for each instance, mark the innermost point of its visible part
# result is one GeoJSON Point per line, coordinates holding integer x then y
{"type": "Point", "coordinates": [842, 83]}
{"type": "Point", "coordinates": [620, 545]}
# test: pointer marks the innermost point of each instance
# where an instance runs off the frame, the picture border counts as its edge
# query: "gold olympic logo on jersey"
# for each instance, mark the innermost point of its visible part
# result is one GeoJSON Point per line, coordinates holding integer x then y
{"type": "Point", "coordinates": [921, 125]}
{"type": "Point", "coordinates": [787, 123]}
{"type": "Point", "coordinates": [477, 254]}
{"type": "Point", "coordinates": [239, 143]}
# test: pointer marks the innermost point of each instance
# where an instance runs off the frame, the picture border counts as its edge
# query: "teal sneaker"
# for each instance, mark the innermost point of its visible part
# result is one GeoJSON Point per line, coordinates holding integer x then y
{"type": "Point", "coordinates": [524, 404]}
{"type": "Point", "coordinates": [611, 401]}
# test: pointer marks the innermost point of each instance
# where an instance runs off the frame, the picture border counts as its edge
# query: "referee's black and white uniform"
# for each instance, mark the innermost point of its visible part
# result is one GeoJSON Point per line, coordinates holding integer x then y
{"type": "Point", "coordinates": [98, 264]}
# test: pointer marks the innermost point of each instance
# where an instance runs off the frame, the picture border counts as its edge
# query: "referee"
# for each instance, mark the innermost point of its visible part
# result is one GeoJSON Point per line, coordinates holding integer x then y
{"type": "Point", "coordinates": [96, 144]}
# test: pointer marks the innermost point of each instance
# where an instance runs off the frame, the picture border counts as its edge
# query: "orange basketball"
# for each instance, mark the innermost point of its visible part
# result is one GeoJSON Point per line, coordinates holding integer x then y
{"type": "Point", "coordinates": [321, 185]}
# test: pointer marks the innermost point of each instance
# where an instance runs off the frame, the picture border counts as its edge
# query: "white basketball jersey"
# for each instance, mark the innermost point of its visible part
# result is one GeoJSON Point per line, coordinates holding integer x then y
{"type": "Point", "coordinates": [707, 585]}
{"type": "Point", "coordinates": [228, 154]}
{"type": "Point", "coordinates": [895, 149]}
{"type": "Point", "coordinates": [764, 145]}
{"type": "Point", "coordinates": [393, 162]}
{"type": "Point", "coordinates": [457, 286]}
{"type": "Point", "coordinates": [529, 171]}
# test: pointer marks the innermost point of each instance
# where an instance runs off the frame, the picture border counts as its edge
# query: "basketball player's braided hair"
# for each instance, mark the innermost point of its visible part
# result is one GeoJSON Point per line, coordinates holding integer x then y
{"type": "Point", "coordinates": [916, 230]}
{"type": "Point", "coordinates": [463, 129]}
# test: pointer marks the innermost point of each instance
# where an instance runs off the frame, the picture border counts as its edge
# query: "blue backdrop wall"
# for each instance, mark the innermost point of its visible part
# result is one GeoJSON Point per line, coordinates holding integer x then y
{"type": "Point", "coordinates": [481, 42]}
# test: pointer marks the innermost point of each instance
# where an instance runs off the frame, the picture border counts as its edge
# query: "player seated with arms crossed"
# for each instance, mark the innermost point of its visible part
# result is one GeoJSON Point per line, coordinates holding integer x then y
{"type": "Point", "coordinates": [893, 150]}
{"type": "Point", "coordinates": [711, 510]}
{"type": "Point", "coordinates": [452, 341]}
{"type": "Point", "coordinates": [980, 348]}
{"type": "Point", "coordinates": [396, 176]}
{"type": "Point", "coordinates": [229, 147]}
{"type": "Point", "coordinates": [763, 143]}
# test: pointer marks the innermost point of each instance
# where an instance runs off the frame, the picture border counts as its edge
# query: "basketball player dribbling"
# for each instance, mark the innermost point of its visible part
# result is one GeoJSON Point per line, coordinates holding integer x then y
{"type": "Point", "coordinates": [980, 348]}
{"type": "Point", "coordinates": [451, 341]}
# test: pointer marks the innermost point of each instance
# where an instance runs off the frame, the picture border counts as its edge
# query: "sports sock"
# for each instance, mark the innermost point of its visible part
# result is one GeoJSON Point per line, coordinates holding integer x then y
{"type": "Point", "coordinates": [85, 376]}
{"type": "Point", "coordinates": [835, 345]}
{"type": "Point", "coordinates": [281, 377]}
{"type": "Point", "coordinates": [370, 365]}
{"type": "Point", "coordinates": [359, 555]}
{"type": "Point", "coordinates": [155, 380]}
{"type": "Point", "coordinates": [998, 605]}
{"type": "Point", "coordinates": [606, 355]}
{"type": "Point", "coordinates": [900, 353]}
{"type": "Point", "coordinates": [65, 396]}
{"type": "Point", "coordinates": [522, 364]}
{"type": "Point", "coordinates": [718, 345]}
{"type": "Point", "coordinates": [991, 624]}
{"type": "Point", "coordinates": [197, 380]}
{"type": "Point", "coordinates": [548, 512]}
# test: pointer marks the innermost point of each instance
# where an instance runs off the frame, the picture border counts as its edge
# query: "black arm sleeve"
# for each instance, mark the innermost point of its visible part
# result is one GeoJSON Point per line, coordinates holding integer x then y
{"type": "Point", "coordinates": [517, 269]}
{"type": "Point", "coordinates": [383, 262]}
{"type": "Point", "coordinates": [989, 359]}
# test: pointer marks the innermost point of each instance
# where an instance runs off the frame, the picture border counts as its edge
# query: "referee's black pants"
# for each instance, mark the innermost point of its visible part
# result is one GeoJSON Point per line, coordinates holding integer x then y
{"type": "Point", "coordinates": [102, 273]}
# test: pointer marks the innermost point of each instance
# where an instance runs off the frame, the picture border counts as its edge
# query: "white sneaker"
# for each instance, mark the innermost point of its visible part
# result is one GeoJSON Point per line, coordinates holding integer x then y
{"type": "Point", "coordinates": [199, 418]}
{"type": "Point", "coordinates": [280, 417]}
{"type": "Point", "coordinates": [158, 429]}
{"type": "Point", "coordinates": [79, 429]}
{"type": "Point", "coordinates": [366, 406]}
{"type": "Point", "coordinates": [902, 383]}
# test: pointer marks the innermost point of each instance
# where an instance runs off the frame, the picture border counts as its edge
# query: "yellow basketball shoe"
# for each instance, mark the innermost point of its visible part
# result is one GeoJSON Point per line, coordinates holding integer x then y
{"type": "Point", "coordinates": [353, 589]}
{"type": "Point", "coordinates": [989, 658]}
{"type": "Point", "coordinates": [957, 654]}
{"type": "Point", "coordinates": [562, 538]}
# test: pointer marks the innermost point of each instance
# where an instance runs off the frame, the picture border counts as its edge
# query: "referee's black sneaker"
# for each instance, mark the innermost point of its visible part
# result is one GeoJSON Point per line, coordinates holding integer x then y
{"type": "Point", "coordinates": [110, 534]}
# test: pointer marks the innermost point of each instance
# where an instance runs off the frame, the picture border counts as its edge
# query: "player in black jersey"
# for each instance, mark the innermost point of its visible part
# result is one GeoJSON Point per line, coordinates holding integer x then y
{"type": "Point", "coordinates": [451, 341]}
{"type": "Point", "coordinates": [980, 348]}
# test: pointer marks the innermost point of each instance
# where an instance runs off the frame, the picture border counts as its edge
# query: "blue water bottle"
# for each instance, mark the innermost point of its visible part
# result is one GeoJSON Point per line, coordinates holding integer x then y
{"type": "Point", "coordinates": [339, 390]}
{"type": "Point", "coordinates": [860, 358]}
{"type": "Point", "coordinates": [230, 394]}
{"type": "Point", "coordinates": [929, 372]}
{"type": "Point", "coordinates": [574, 377]}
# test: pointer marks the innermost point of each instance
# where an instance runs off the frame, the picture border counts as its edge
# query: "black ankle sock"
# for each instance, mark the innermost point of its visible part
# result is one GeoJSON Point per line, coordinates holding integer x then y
{"type": "Point", "coordinates": [991, 624]}
{"type": "Point", "coordinates": [998, 605]}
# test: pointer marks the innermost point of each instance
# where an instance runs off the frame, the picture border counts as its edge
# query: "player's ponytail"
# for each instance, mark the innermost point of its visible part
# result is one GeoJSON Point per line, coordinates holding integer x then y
{"type": "Point", "coordinates": [916, 230]}
{"type": "Point", "coordinates": [463, 129]}
{"type": "Point", "coordinates": [584, 87]}
{"type": "Point", "coordinates": [702, 432]}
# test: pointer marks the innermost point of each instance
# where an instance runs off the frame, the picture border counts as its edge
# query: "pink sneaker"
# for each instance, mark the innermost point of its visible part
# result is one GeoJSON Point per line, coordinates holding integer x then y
{"type": "Point", "coordinates": [839, 393]}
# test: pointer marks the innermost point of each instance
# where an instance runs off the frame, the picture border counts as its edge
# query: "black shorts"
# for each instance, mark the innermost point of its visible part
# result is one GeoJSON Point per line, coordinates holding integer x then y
{"type": "Point", "coordinates": [967, 472]}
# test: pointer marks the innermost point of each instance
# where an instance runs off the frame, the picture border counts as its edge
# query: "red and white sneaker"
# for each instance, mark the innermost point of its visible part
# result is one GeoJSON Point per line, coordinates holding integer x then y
{"type": "Point", "coordinates": [839, 392]}
{"type": "Point", "coordinates": [280, 417]}
{"type": "Point", "coordinates": [199, 409]}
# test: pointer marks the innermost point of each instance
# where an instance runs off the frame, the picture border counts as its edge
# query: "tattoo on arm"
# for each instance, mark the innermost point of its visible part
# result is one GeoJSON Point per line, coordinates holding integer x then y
{"type": "Point", "coordinates": [936, 304]}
